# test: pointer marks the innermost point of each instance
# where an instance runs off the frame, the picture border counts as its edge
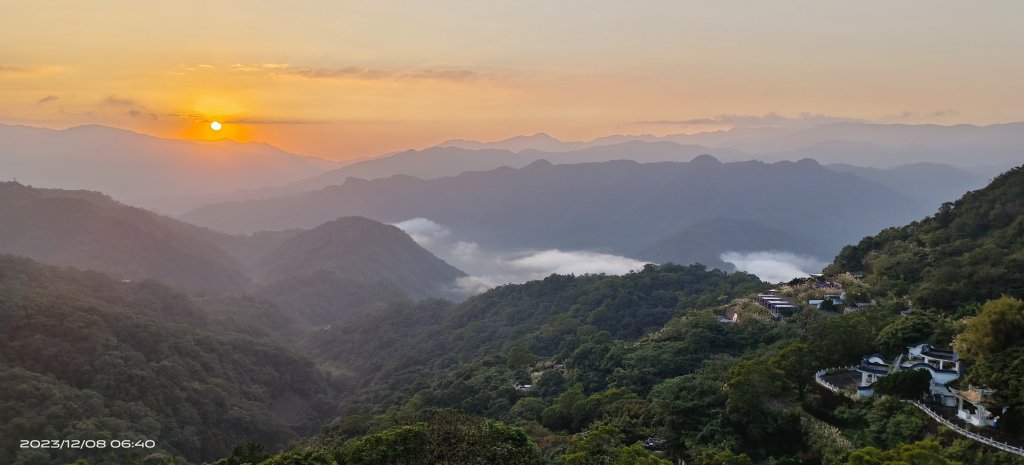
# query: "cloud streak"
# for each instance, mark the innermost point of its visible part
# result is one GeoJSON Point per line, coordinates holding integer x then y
{"type": "Point", "coordinates": [488, 269]}
{"type": "Point", "coordinates": [47, 99]}
{"type": "Point", "coordinates": [767, 119]}
{"type": "Point", "coordinates": [199, 118]}
{"type": "Point", "coordinates": [928, 114]}
{"type": "Point", "coordinates": [774, 266]}
{"type": "Point", "coordinates": [134, 109]}
{"type": "Point", "coordinates": [358, 73]}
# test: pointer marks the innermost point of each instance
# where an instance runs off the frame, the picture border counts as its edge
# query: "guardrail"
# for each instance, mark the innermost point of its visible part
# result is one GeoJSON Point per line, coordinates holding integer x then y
{"type": "Point", "coordinates": [827, 385]}
{"type": "Point", "coordinates": [928, 411]}
{"type": "Point", "coordinates": [966, 433]}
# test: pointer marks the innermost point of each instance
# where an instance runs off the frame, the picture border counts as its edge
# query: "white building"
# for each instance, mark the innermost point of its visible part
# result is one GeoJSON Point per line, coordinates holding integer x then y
{"type": "Point", "coordinates": [979, 406]}
{"type": "Point", "coordinates": [943, 365]}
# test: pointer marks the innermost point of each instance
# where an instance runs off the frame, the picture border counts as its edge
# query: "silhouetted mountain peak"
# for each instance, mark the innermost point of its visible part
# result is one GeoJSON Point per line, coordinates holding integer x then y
{"type": "Point", "coordinates": [705, 160]}
{"type": "Point", "coordinates": [358, 248]}
{"type": "Point", "coordinates": [539, 164]}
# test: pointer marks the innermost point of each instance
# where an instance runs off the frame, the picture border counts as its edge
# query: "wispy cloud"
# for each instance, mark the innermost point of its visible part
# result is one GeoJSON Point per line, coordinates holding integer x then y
{"type": "Point", "coordinates": [359, 73]}
{"type": "Point", "coordinates": [199, 118]}
{"type": "Point", "coordinates": [269, 121]}
{"type": "Point", "coordinates": [140, 114]}
{"type": "Point", "coordinates": [488, 269]}
{"type": "Point", "coordinates": [18, 71]}
{"type": "Point", "coordinates": [119, 101]}
{"type": "Point", "coordinates": [47, 99]}
{"type": "Point", "coordinates": [767, 119]}
{"type": "Point", "coordinates": [130, 105]}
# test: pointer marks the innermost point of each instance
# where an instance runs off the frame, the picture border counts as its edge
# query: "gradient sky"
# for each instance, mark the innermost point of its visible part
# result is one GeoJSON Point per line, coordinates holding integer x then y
{"type": "Point", "coordinates": [342, 79]}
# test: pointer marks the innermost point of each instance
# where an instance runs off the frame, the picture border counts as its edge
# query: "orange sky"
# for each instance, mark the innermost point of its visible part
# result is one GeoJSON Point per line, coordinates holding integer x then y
{"type": "Point", "coordinates": [347, 79]}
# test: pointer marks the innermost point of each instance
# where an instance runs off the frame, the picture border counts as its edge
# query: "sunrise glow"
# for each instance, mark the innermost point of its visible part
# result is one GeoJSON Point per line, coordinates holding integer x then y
{"type": "Point", "coordinates": [344, 85]}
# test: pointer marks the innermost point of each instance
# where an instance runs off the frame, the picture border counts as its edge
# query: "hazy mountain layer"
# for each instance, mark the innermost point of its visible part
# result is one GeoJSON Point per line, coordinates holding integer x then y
{"type": "Point", "coordinates": [856, 143]}
{"type": "Point", "coordinates": [437, 162]}
{"type": "Point", "coordinates": [618, 206]}
{"type": "Point", "coordinates": [931, 182]}
{"type": "Point", "coordinates": [145, 170]}
{"type": "Point", "coordinates": [91, 231]}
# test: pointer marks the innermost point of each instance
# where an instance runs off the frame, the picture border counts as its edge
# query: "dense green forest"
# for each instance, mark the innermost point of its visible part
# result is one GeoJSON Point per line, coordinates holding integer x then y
{"type": "Point", "coordinates": [85, 356]}
{"type": "Point", "coordinates": [634, 369]}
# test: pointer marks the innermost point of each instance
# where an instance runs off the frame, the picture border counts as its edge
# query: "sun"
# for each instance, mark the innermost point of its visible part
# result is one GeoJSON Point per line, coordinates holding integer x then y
{"type": "Point", "coordinates": [215, 125]}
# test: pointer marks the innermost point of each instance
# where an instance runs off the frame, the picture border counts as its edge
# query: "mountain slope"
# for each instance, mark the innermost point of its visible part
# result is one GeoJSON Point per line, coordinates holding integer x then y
{"type": "Point", "coordinates": [145, 170]}
{"type": "Point", "coordinates": [705, 242]}
{"type": "Point", "coordinates": [91, 231]}
{"type": "Point", "coordinates": [359, 249]}
{"type": "Point", "coordinates": [620, 206]}
{"type": "Point", "coordinates": [970, 251]}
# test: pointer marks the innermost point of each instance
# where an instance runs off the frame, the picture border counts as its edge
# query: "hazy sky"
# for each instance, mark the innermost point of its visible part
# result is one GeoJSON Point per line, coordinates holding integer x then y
{"type": "Point", "coordinates": [341, 79]}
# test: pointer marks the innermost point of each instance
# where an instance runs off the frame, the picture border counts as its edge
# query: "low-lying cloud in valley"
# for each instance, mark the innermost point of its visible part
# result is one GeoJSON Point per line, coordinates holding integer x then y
{"type": "Point", "coordinates": [488, 269]}
{"type": "Point", "coordinates": [774, 266]}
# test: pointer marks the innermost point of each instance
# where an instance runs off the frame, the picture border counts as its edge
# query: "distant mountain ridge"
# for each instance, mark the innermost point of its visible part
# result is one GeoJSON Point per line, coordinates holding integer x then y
{"type": "Point", "coordinates": [439, 162]}
{"type": "Point", "coordinates": [987, 150]}
{"type": "Point", "coordinates": [174, 176]}
{"type": "Point", "coordinates": [925, 181]}
{"type": "Point", "coordinates": [976, 145]}
{"type": "Point", "coordinates": [145, 170]}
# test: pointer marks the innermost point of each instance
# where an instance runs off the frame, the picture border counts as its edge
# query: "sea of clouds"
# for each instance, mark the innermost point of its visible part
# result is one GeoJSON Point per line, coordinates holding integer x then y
{"type": "Point", "coordinates": [774, 266]}
{"type": "Point", "coordinates": [489, 268]}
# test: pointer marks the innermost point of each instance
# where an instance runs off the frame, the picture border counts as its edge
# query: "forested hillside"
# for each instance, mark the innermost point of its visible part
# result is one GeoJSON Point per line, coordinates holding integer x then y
{"type": "Point", "coordinates": [597, 368]}
{"type": "Point", "coordinates": [646, 367]}
{"type": "Point", "coordinates": [87, 357]}
{"type": "Point", "coordinates": [971, 250]}
{"type": "Point", "coordinates": [360, 249]}
{"type": "Point", "coordinates": [91, 231]}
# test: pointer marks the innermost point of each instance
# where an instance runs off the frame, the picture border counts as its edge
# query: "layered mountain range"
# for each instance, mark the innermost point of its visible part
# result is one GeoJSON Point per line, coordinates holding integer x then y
{"type": "Point", "coordinates": [623, 207]}
{"type": "Point", "coordinates": [91, 231]}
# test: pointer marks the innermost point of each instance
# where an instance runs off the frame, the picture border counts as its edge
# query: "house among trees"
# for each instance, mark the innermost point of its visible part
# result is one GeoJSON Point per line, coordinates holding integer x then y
{"type": "Point", "coordinates": [778, 306]}
{"type": "Point", "coordinates": [979, 406]}
{"type": "Point", "coordinates": [859, 306]}
{"type": "Point", "coordinates": [942, 365]}
{"type": "Point", "coordinates": [835, 299]}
